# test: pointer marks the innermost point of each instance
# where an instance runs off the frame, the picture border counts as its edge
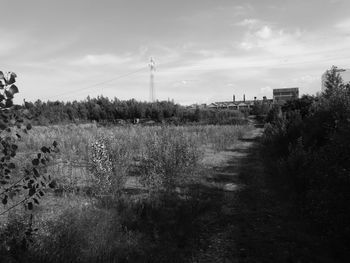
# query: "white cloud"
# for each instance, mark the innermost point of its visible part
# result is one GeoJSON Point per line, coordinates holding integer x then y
{"type": "Point", "coordinates": [102, 59]}
{"type": "Point", "coordinates": [272, 41]}
{"type": "Point", "coordinates": [265, 32]}
{"type": "Point", "coordinates": [248, 22]}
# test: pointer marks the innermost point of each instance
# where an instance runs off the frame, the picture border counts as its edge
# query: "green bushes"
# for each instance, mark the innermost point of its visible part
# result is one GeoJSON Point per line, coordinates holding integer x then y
{"type": "Point", "coordinates": [84, 235]}
{"type": "Point", "coordinates": [110, 159]}
{"type": "Point", "coordinates": [159, 221]}
{"type": "Point", "coordinates": [169, 158]}
{"type": "Point", "coordinates": [308, 158]}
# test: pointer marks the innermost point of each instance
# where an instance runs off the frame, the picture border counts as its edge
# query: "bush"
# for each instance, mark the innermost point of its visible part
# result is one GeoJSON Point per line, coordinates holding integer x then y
{"type": "Point", "coordinates": [169, 159]}
{"type": "Point", "coordinates": [309, 157]}
{"type": "Point", "coordinates": [85, 235]}
{"type": "Point", "coordinates": [110, 159]}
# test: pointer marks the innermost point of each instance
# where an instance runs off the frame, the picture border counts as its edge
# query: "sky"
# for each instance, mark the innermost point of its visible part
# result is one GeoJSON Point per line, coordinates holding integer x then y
{"type": "Point", "coordinates": [204, 50]}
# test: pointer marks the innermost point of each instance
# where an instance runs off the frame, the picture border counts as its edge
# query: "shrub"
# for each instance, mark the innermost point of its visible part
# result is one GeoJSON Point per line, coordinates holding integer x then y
{"type": "Point", "coordinates": [110, 159]}
{"type": "Point", "coordinates": [169, 159]}
{"type": "Point", "coordinates": [85, 235]}
{"type": "Point", "coordinates": [308, 151]}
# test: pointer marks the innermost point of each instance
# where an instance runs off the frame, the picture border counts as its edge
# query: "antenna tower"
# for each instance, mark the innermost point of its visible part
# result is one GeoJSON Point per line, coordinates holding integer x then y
{"type": "Point", "coordinates": [152, 67]}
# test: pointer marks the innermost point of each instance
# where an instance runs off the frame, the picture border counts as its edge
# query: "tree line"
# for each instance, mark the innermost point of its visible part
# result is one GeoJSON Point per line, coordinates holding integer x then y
{"type": "Point", "coordinates": [105, 110]}
{"type": "Point", "coordinates": [307, 156]}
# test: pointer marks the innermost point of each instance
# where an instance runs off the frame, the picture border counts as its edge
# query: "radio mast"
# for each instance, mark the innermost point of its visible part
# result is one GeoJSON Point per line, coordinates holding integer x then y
{"type": "Point", "coordinates": [152, 67]}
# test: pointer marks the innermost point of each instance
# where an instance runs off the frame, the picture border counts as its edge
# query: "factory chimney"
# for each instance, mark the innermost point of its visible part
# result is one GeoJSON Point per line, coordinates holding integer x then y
{"type": "Point", "coordinates": [243, 97]}
{"type": "Point", "coordinates": [234, 98]}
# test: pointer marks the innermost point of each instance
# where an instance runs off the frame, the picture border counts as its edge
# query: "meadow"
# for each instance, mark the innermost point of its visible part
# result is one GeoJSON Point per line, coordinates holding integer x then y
{"type": "Point", "coordinates": [122, 193]}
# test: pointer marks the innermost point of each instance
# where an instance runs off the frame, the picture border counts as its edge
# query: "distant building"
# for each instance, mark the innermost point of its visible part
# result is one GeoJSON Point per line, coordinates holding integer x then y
{"type": "Point", "coordinates": [280, 96]}
{"type": "Point", "coordinates": [197, 106]}
{"type": "Point", "coordinates": [344, 73]}
{"type": "Point", "coordinates": [242, 105]}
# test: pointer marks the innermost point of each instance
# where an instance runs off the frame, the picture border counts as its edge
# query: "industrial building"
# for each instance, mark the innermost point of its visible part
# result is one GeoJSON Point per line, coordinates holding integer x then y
{"type": "Point", "coordinates": [281, 96]}
{"type": "Point", "coordinates": [241, 105]}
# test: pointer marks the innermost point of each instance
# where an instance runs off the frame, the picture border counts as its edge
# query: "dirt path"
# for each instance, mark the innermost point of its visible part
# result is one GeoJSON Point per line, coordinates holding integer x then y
{"type": "Point", "coordinates": [224, 184]}
{"type": "Point", "coordinates": [248, 223]}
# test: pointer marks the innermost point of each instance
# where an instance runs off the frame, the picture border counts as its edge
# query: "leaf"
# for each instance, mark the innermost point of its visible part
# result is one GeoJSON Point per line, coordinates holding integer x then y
{"type": "Point", "coordinates": [36, 173]}
{"type": "Point", "coordinates": [35, 162]}
{"type": "Point", "coordinates": [13, 89]}
{"type": "Point", "coordinates": [29, 126]}
{"type": "Point", "coordinates": [45, 149]}
{"type": "Point", "coordinates": [12, 78]}
{"type": "Point", "coordinates": [8, 94]}
{"type": "Point", "coordinates": [30, 206]}
{"type": "Point", "coordinates": [32, 191]}
{"type": "Point", "coordinates": [52, 184]}
{"type": "Point", "coordinates": [9, 103]}
{"type": "Point", "coordinates": [4, 200]}
{"type": "Point", "coordinates": [54, 144]}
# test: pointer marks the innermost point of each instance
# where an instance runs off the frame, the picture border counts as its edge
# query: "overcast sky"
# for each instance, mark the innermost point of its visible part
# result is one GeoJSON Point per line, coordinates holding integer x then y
{"type": "Point", "coordinates": [205, 50]}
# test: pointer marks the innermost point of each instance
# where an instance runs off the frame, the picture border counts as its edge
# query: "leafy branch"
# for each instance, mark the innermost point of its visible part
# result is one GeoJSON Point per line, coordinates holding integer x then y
{"type": "Point", "coordinates": [31, 186]}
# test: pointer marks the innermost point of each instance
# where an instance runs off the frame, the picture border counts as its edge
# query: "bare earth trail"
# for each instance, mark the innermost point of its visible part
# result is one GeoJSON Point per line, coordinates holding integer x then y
{"type": "Point", "coordinates": [245, 221]}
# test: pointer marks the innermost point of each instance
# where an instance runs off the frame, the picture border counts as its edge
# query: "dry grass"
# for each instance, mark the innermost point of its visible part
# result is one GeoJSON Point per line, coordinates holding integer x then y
{"type": "Point", "coordinates": [129, 143]}
{"type": "Point", "coordinates": [74, 224]}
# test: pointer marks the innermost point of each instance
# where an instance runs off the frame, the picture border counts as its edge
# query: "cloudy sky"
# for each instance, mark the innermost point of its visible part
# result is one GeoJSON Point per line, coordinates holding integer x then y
{"type": "Point", "coordinates": [205, 50]}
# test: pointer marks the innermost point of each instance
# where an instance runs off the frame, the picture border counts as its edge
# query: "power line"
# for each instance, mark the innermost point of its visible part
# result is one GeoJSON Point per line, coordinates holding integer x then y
{"type": "Point", "coordinates": [99, 83]}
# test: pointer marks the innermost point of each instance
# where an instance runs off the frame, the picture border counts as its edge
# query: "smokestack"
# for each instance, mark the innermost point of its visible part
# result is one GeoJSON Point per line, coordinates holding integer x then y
{"type": "Point", "coordinates": [243, 97]}
{"type": "Point", "coordinates": [233, 98]}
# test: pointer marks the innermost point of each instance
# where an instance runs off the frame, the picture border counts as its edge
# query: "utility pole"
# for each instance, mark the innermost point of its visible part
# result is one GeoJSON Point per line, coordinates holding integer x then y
{"type": "Point", "coordinates": [152, 67]}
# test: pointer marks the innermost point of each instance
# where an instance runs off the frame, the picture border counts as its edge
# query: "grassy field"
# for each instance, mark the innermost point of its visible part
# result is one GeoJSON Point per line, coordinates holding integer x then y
{"type": "Point", "coordinates": [121, 193]}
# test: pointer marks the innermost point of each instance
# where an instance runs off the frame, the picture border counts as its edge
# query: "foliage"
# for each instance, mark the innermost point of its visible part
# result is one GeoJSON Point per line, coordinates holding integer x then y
{"type": "Point", "coordinates": [135, 232]}
{"type": "Point", "coordinates": [333, 82]}
{"type": "Point", "coordinates": [104, 110]}
{"type": "Point", "coordinates": [261, 108]}
{"type": "Point", "coordinates": [27, 184]}
{"type": "Point", "coordinates": [308, 155]}
{"type": "Point", "coordinates": [169, 159]}
{"type": "Point", "coordinates": [20, 183]}
{"type": "Point", "coordinates": [110, 158]}
{"type": "Point", "coordinates": [137, 229]}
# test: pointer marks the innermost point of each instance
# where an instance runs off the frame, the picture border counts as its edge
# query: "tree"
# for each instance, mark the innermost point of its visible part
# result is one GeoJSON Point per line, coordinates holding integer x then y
{"type": "Point", "coordinates": [333, 82]}
{"type": "Point", "coordinates": [27, 184]}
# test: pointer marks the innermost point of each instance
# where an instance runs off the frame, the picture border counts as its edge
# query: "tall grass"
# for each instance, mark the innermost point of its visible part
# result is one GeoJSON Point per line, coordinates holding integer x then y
{"type": "Point", "coordinates": [127, 145]}
{"type": "Point", "coordinates": [130, 229]}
